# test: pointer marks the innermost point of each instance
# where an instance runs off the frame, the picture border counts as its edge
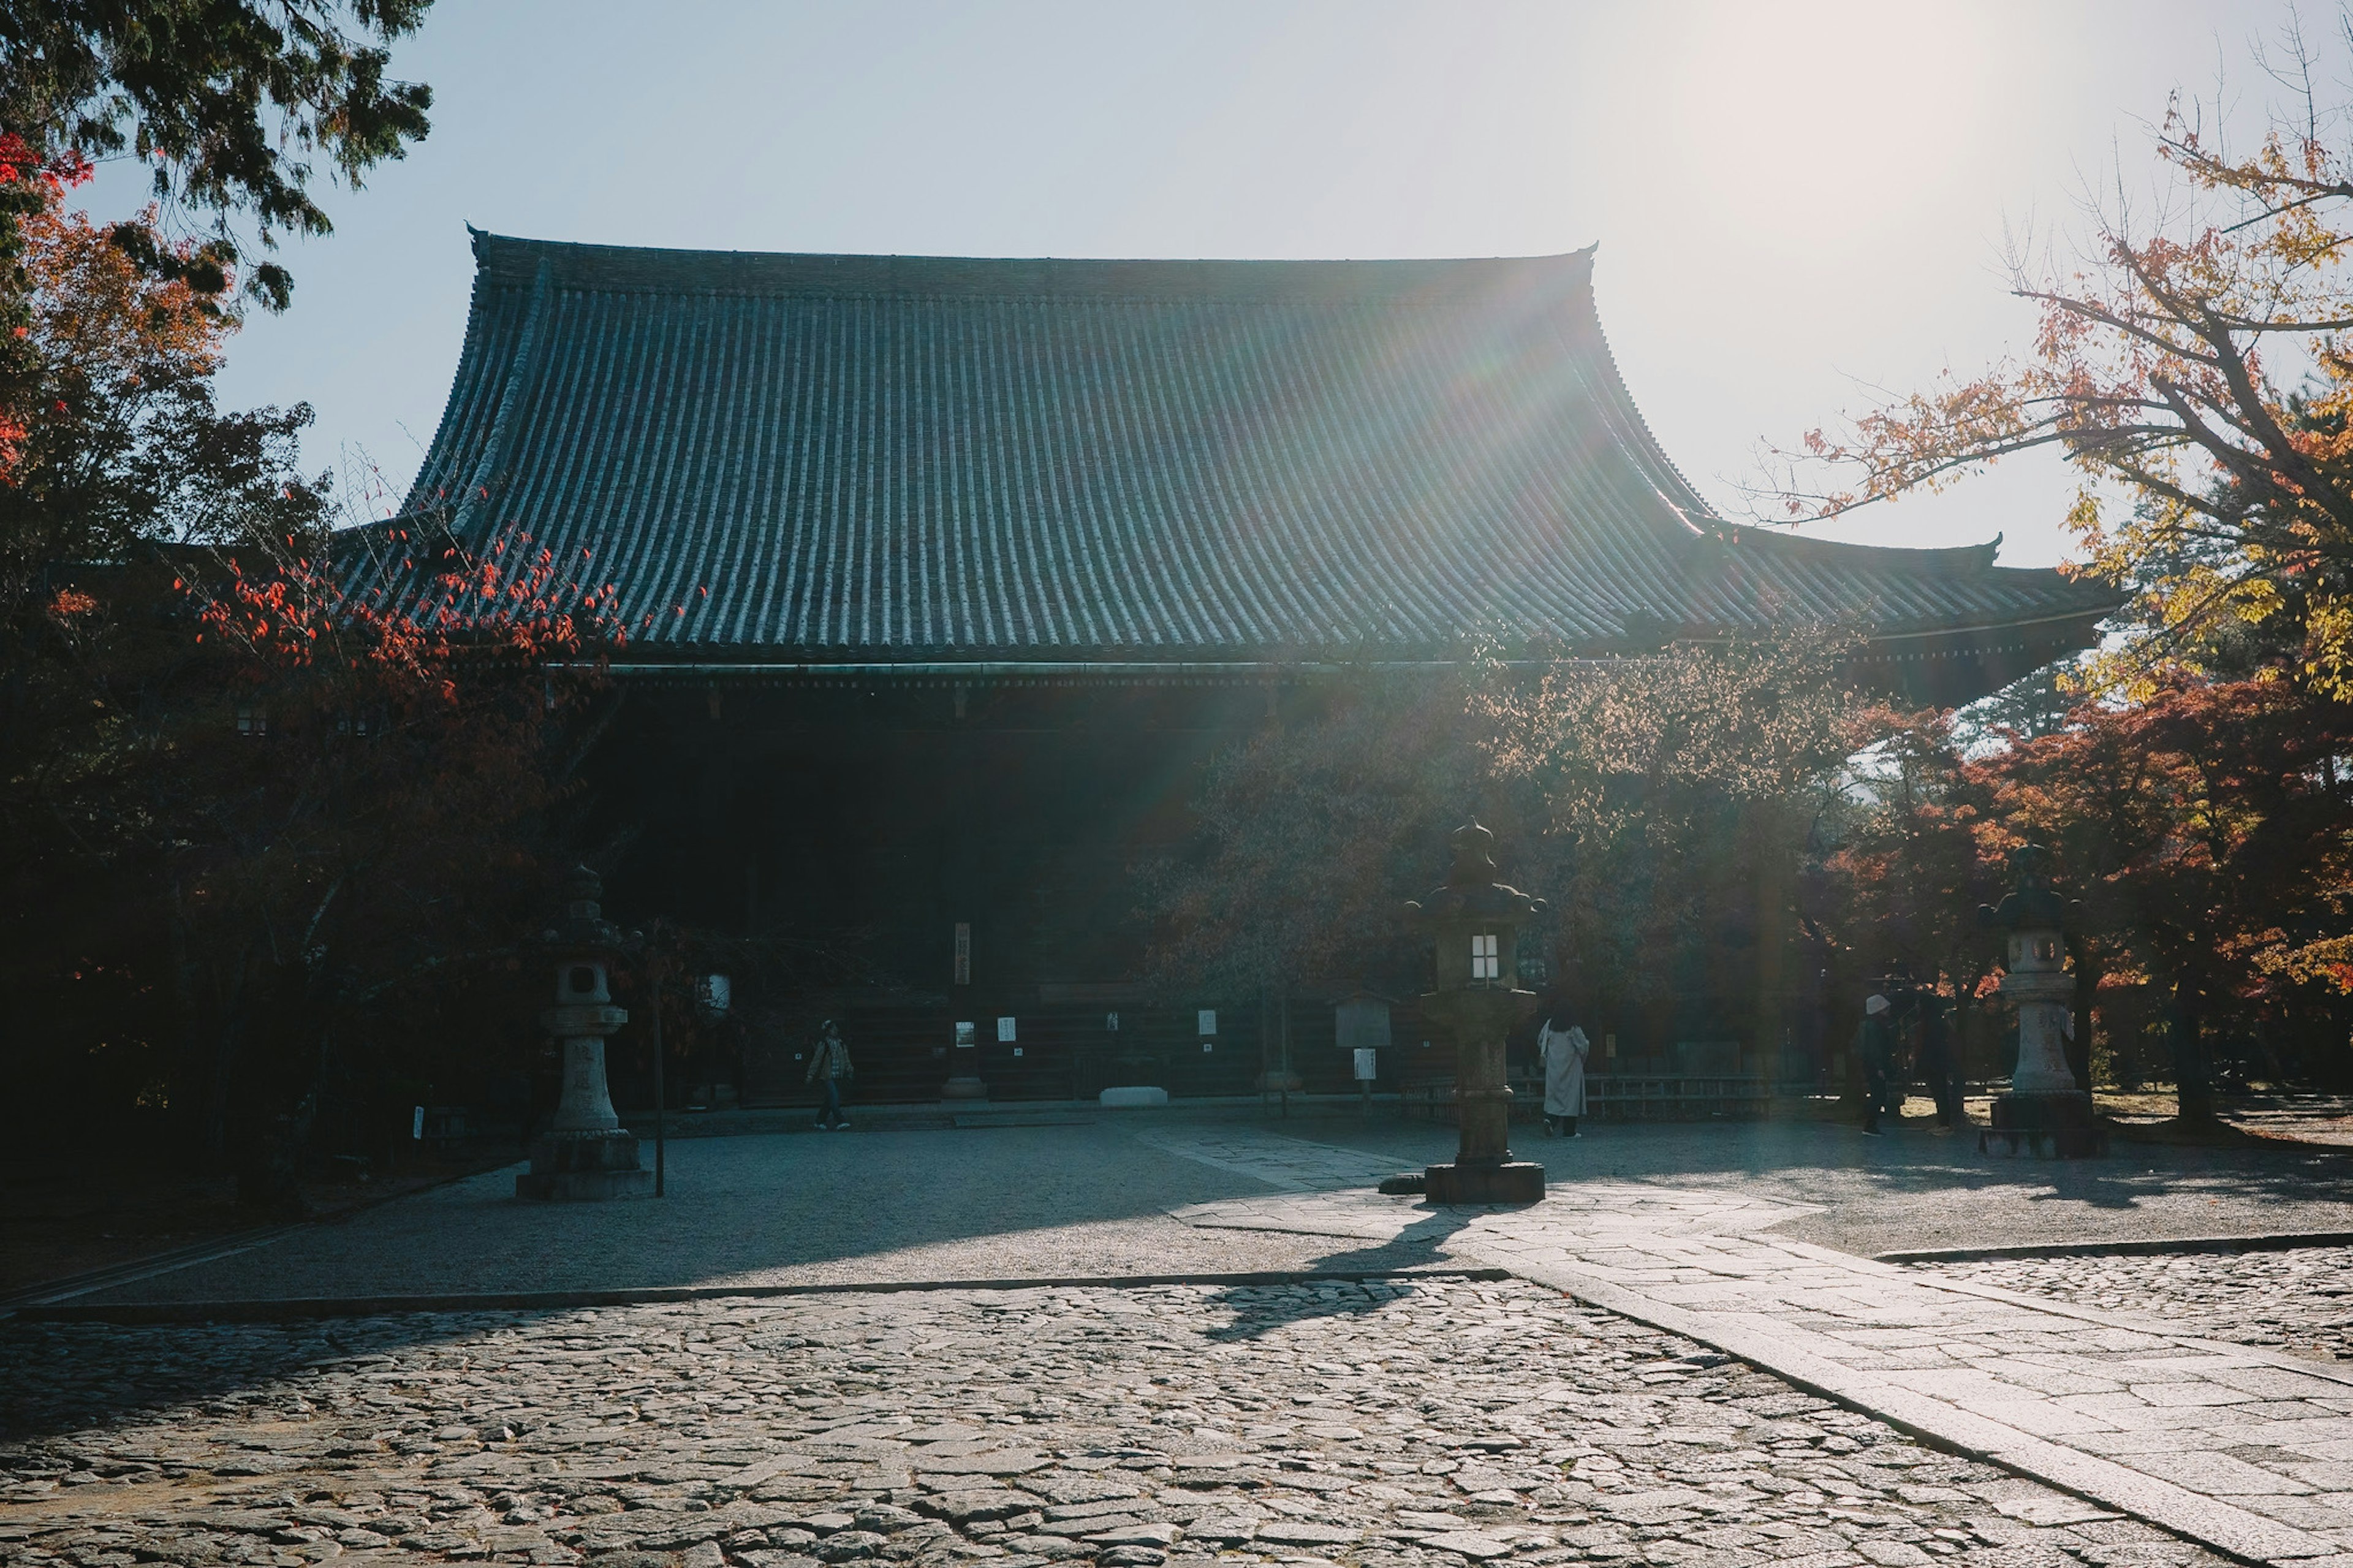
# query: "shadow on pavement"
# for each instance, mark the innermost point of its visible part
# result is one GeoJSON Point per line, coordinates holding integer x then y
{"type": "Point", "coordinates": [1920, 1188]}
{"type": "Point", "coordinates": [995, 1203]}
{"type": "Point", "coordinates": [1260, 1309]}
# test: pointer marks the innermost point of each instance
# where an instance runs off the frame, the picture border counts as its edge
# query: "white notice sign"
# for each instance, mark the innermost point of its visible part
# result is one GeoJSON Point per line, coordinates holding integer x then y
{"type": "Point", "coordinates": [1005, 1031]}
{"type": "Point", "coordinates": [1209, 1016]}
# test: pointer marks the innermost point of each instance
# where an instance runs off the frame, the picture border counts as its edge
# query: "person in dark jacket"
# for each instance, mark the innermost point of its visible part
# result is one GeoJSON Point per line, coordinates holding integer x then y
{"type": "Point", "coordinates": [1940, 1064]}
{"type": "Point", "coordinates": [1874, 1042]}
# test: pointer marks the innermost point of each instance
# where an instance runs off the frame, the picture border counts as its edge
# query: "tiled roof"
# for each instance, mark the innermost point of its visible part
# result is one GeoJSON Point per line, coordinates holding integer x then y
{"type": "Point", "coordinates": [882, 458]}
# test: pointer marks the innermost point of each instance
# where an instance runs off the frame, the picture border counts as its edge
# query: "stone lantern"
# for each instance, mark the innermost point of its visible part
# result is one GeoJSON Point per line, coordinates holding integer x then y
{"type": "Point", "coordinates": [586, 1153]}
{"type": "Point", "coordinates": [2045, 1114]}
{"type": "Point", "coordinates": [1475, 922]}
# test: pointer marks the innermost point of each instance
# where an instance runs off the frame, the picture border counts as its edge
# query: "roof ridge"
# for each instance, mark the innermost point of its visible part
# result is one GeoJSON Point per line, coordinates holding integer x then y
{"type": "Point", "coordinates": [656, 269]}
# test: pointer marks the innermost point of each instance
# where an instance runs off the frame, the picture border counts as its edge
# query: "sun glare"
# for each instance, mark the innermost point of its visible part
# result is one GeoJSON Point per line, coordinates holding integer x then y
{"type": "Point", "coordinates": [1799, 121]}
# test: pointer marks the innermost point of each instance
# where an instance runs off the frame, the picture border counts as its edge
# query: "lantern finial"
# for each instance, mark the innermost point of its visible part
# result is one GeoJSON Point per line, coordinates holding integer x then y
{"type": "Point", "coordinates": [1474, 854]}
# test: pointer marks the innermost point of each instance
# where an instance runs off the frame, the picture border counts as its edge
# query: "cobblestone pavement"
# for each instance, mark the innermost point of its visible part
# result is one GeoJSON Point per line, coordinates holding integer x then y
{"type": "Point", "coordinates": [1416, 1424]}
{"type": "Point", "coordinates": [2240, 1446]}
{"type": "Point", "coordinates": [2300, 1299]}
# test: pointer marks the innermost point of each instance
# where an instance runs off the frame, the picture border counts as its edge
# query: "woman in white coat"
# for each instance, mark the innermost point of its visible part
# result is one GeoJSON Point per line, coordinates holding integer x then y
{"type": "Point", "coordinates": [1562, 1046]}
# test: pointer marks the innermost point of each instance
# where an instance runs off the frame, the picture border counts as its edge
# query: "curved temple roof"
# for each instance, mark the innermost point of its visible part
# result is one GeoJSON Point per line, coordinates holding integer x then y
{"type": "Point", "coordinates": [836, 457]}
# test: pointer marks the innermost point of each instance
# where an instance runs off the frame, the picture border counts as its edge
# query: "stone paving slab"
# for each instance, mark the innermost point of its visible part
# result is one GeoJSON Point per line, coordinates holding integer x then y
{"type": "Point", "coordinates": [2211, 1439]}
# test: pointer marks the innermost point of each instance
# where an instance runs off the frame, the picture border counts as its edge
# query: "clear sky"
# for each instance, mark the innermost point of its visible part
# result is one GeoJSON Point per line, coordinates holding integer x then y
{"type": "Point", "coordinates": [1793, 200]}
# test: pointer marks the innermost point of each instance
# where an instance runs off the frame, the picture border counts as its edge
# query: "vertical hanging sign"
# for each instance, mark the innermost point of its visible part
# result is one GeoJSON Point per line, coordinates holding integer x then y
{"type": "Point", "coordinates": [964, 952]}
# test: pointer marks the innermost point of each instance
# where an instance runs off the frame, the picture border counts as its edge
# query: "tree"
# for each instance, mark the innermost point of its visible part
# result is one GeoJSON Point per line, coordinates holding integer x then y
{"type": "Point", "coordinates": [2197, 363]}
{"type": "Point", "coordinates": [271, 795]}
{"type": "Point", "coordinates": [2205, 829]}
{"type": "Point", "coordinates": [230, 99]}
{"type": "Point", "coordinates": [1912, 863]}
{"type": "Point", "coordinates": [311, 804]}
{"type": "Point", "coordinates": [1662, 803]}
{"type": "Point", "coordinates": [1310, 835]}
{"type": "Point", "coordinates": [1676, 794]}
{"type": "Point", "coordinates": [2196, 368]}
{"type": "Point", "coordinates": [123, 444]}
{"type": "Point", "coordinates": [124, 453]}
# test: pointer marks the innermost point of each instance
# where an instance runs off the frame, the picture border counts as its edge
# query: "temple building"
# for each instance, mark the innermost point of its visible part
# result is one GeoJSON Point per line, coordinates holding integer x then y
{"type": "Point", "coordinates": [952, 573]}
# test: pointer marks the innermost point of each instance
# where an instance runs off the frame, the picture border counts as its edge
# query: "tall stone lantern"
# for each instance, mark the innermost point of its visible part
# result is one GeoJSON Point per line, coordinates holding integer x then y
{"type": "Point", "coordinates": [586, 1153]}
{"type": "Point", "coordinates": [2045, 1115]}
{"type": "Point", "coordinates": [1475, 921]}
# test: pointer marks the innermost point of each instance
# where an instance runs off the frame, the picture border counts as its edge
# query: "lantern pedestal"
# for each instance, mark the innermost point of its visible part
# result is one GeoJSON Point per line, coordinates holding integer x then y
{"type": "Point", "coordinates": [1509, 1182]}
{"type": "Point", "coordinates": [577, 1167]}
{"type": "Point", "coordinates": [586, 1154]}
{"type": "Point", "coordinates": [2044, 1126]}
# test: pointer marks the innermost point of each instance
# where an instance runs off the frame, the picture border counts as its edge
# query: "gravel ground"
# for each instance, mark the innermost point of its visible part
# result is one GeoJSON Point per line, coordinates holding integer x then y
{"type": "Point", "coordinates": [2299, 1301]}
{"type": "Point", "coordinates": [1427, 1424]}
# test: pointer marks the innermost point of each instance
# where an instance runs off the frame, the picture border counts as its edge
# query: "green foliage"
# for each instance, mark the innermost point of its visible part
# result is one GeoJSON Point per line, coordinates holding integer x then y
{"type": "Point", "coordinates": [231, 100]}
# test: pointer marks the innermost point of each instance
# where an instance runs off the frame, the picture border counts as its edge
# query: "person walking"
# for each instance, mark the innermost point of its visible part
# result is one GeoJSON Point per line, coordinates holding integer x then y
{"type": "Point", "coordinates": [1874, 1041]}
{"type": "Point", "coordinates": [829, 1065]}
{"type": "Point", "coordinates": [1561, 1045]}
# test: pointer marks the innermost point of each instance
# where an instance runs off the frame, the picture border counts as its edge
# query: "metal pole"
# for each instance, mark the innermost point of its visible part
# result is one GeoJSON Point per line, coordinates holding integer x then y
{"type": "Point", "coordinates": [654, 976]}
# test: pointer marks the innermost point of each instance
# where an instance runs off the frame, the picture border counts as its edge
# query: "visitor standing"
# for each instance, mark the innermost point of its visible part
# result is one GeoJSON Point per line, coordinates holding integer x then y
{"type": "Point", "coordinates": [1874, 1041]}
{"type": "Point", "coordinates": [1561, 1045]}
{"type": "Point", "coordinates": [829, 1067]}
{"type": "Point", "coordinates": [1938, 1063]}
